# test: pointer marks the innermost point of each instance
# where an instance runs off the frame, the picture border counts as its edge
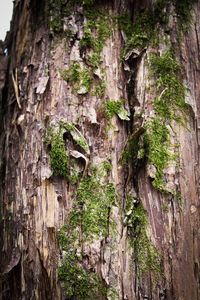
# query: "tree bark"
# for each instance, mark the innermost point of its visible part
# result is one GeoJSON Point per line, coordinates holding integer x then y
{"type": "Point", "coordinates": [153, 251]}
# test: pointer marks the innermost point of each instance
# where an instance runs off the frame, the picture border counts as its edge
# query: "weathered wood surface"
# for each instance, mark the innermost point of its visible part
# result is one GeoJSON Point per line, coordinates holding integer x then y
{"type": "Point", "coordinates": [35, 204]}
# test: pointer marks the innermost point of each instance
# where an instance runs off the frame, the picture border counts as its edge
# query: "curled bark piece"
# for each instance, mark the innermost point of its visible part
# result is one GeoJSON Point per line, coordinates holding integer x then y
{"type": "Point", "coordinates": [16, 88]}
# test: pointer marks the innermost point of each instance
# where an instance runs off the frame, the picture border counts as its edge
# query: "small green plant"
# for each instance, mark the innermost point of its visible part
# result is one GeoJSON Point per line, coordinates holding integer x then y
{"type": "Point", "coordinates": [140, 33]}
{"type": "Point", "coordinates": [92, 205]}
{"type": "Point", "coordinates": [145, 29]}
{"type": "Point", "coordinates": [96, 32]}
{"type": "Point", "coordinates": [152, 143]}
{"type": "Point", "coordinates": [134, 149]}
{"type": "Point", "coordinates": [157, 144]}
{"type": "Point", "coordinates": [171, 102]}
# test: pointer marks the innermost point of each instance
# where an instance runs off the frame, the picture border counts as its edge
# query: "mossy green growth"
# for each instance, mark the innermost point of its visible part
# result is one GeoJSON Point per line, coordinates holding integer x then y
{"type": "Point", "coordinates": [99, 88]}
{"type": "Point", "coordinates": [145, 253]}
{"type": "Point", "coordinates": [76, 135]}
{"type": "Point", "coordinates": [134, 149]}
{"type": "Point", "coordinates": [92, 206]}
{"type": "Point", "coordinates": [140, 33]}
{"type": "Point", "coordinates": [94, 199]}
{"type": "Point", "coordinates": [184, 12]}
{"type": "Point", "coordinates": [58, 154]}
{"type": "Point", "coordinates": [171, 102]}
{"type": "Point", "coordinates": [77, 282]}
{"type": "Point", "coordinates": [88, 220]}
{"type": "Point", "coordinates": [116, 107]}
{"type": "Point", "coordinates": [77, 76]}
{"type": "Point", "coordinates": [157, 149]}
{"type": "Point", "coordinates": [96, 31]}
{"type": "Point", "coordinates": [59, 9]}
{"type": "Point", "coordinates": [145, 28]}
{"type": "Point", "coordinates": [112, 108]}
{"type": "Point", "coordinates": [169, 106]}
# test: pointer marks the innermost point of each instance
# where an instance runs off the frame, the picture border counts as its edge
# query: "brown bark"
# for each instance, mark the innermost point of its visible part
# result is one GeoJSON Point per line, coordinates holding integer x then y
{"type": "Point", "coordinates": [35, 203]}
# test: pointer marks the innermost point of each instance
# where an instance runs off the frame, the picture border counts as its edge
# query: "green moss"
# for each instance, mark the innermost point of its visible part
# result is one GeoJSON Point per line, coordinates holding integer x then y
{"type": "Point", "coordinates": [76, 135]}
{"type": "Point", "coordinates": [116, 107]}
{"type": "Point", "coordinates": [76, 281]}
{"type": "Point", "coordinates": [92, 206]}
{"type": "Point", "coordinates": [61, 163]}
{"type": "Point", "coordinates": [145, 254]}
{"type": "Point", "coordinates": [184, 12]}
{"type": "Point", "coordinates": [134, 149]}
{"type": "Point", "coordinates": [157, 145]}
{"type": "Point", "coordinates": [112, 108]}
{"type": "Point", "coordinates": [96, 31]}
{"type": "Point", "coordinates": [152, 143]}
{"type": "Point", "coordinates": [141, 33]}
{"type": "Point", "coordinates": [58, 154]}
{"type": "Point", "coordinates": [87, 40]}
{"type": "Point", "coordinates": [72, 74]}
{"type": "Point", "coordinates": [88, 219]}
{"type": "Point", "coordinates": [145, 28]}
{"type": "Point", "coordinates": [107, 166]}
{"type": "Point", "coordinates": [99, 89]}
{"type": "Point", "coordinates": [169, 106]}
{"type": "Point", "coordinates": [77, 76]}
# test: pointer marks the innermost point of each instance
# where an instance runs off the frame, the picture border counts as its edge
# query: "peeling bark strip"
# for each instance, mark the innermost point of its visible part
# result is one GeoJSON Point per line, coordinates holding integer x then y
{"type": "Point", "coordinates": [99, 169]}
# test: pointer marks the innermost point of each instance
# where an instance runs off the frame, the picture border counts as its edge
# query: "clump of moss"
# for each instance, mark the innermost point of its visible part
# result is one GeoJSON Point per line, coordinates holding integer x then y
{"type": "Point", "coordinates": [77, 76]}
{"type": "Point", "coordinates": [134, 149]}
{"type": "Point", "coordinates": [152, 143]}
{"type": "Point", "coordinates": [145, 254]}
{"type": "Point", "coordinates": [96, 31]}
{"type": "Point", "coordinates": [157, 145]}
{"type": "Point", "coordinates": [145, 28]}
{"type": "Point", "coordinates": [183, 10]}
{"type": "Point", "coordinates": [112, 108]}
{"type": "Point", "coordinates": [171, 102]}
{"type": "Point", "coordinates": [92, 206]}
{"type": "Point", "coordinates": [99, 89]}
{"type": "Point", "coordinates": [116, 107]}
{"type": "Point", "coordinates": [169, 106]}
{"type": "Point", "coordinates": [58, 154]}
{"type": "Point", "coordinates": [141, 33]}
{"type": "Point", "coordinates": [77, 281]}
{"type": "Point", "coordinates": [61, 163]}
{"type": "Point", "coordinates": [89, 219]}
{"type": "Point", "coordinates": [59, 9]}
{"type": "Point", "coordinates": [76, 135]}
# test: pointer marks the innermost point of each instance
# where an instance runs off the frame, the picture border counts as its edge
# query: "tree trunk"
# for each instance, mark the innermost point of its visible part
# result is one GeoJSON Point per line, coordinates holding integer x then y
{"type": "Point", "coordinates": [100, 151]}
